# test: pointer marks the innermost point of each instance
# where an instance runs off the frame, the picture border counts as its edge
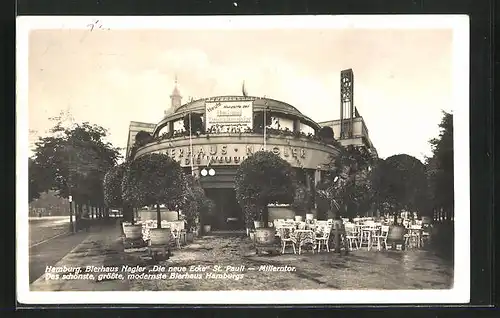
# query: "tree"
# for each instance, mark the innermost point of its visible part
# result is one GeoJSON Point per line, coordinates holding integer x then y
{"type": "Point", "coordinates": [346, 188]}
{"type": "Point", "coordinates": [197, 205]}
{"type": "Point", "coordinates": [326, 133]}
{"type": "Point", "coordinates": [112, 189]}
{"type": "Point", "coordinates": [440, 168]}
{"type": "Point", "coordinates": [196, 123]}
{"type": "Point", "coordinates": [73, 161]}
{"type": "Point", "coordinates": [400, 183]}
{"type": "Point", "coordinates": [34, 188]}
{"type": "Point", "coordinates": [155, 179]}
{"type": "Point", "coordinates": [262, 179]}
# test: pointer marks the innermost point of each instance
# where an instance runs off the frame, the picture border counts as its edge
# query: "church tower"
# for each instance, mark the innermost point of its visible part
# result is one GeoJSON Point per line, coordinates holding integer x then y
{"type": "Point", "coordinates": [176, 98]}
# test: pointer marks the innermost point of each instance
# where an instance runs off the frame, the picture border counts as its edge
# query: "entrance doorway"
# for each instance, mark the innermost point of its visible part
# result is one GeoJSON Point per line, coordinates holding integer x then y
{"type": "Point", "coordinates": [227, 214]}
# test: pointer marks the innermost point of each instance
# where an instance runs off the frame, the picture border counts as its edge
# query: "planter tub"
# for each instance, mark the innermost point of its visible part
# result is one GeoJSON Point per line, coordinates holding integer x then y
{"type": "Point", "coordinates": [265, 236]}
{"type": "Point", "coordinates": [159, 236]}
{"type": "Point", "coordinates": [298, 218]}
{"type": "Point", "coordinates": [207, 228]}
{"type": "Point", "coordinates": [258, 224]}
{"type": "Point", "coordinates": [132, 232]}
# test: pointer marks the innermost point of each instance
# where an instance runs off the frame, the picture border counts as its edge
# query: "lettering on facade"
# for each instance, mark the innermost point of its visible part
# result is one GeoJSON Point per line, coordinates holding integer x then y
{"type": "Point", "coordinates": [223, 154]}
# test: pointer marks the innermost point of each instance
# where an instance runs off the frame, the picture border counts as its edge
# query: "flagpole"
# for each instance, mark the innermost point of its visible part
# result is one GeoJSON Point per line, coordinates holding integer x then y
{"type": "Point", "coordinates": [191, 145]}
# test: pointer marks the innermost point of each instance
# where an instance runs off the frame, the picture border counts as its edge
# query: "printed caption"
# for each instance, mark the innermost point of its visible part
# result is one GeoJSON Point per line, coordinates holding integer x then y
{"type": "Point", "coordinates": [157, 272]}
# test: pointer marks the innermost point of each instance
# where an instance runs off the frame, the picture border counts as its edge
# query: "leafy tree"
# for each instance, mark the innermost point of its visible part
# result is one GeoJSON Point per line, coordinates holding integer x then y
{"type": "Point", "coordinates": [155, 179]}
{"type": "Point", "coordinates": [112, 189]}
{"type": "Point", "coordinates": [142, 138]}
{"type": "Point", "coordinates": [196, 123]}
{"type": "Point", "coordinates": [197, 204]}
{"type": "Point", "coordinates": [326, 133]}
{"type": "Point", "coordinates": [73, 161]}
{"type": "Point", "coordinates": [440, 168]}
{"type": "Point", "coordinates": [34, 189]}
{"type": "Point", "coordinates": [262, 179]}
{"type": "Point", "coordinates": [346, 189]}
{"type": "Point", "coordinates": [400, 183]}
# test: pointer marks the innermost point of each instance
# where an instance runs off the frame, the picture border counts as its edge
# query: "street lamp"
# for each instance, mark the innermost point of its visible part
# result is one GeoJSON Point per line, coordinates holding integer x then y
{"type": "Point", "coordinates": [204, 172]}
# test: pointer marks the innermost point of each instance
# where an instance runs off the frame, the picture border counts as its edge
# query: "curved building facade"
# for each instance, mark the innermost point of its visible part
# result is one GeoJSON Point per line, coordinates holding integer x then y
{"type": "Point", "coordinates": [228, 129]}
{"type": "Point", "coordinates": [231, 130]}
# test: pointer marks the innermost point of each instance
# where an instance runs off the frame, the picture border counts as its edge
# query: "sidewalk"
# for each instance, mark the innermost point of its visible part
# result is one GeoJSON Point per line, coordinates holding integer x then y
{"type": "Point", "coordinates": [103, 247]}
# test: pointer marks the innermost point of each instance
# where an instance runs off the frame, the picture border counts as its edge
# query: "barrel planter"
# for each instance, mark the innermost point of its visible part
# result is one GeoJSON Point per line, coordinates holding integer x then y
{"type": "Point", "coordinates": [298, 218]}
{"type": "Point", "coordinates": [132, 232]}
{"type": "Point", "coordinates": [396, 235]}
{"type": "Point", "coordinates": [207, 228]}
{"type": "Point", "coordinates": [159, 236]}
{"type": "Point", "coordinates": [189, 236]}
{"type": "Point", "coordinates": [265, 236]}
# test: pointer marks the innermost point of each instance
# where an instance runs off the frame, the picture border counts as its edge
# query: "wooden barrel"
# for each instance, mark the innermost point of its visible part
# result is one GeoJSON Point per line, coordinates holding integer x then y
{"type": "Point", "coordinates": [396, 233]}
{"type": "Point", "coordinates": [265, 236]}
{"type": "Point", "coordinates": [160, 236]}
{"type": "Point", "coordinates": [298, 218]}
{"type": "Point", "coordinates": [132, 232]}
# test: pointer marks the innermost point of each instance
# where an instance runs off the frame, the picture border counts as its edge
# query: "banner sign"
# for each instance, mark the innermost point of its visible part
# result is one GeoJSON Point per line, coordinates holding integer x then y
{"type": "Point", "coordinates": [229, 113]}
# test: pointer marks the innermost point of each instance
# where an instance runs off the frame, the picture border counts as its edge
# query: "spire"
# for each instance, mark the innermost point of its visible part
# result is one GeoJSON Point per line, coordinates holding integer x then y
{"type": "Point", "coordinates": [176, 98]}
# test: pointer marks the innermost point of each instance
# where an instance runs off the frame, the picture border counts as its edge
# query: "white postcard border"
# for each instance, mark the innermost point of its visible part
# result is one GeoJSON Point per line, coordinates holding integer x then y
{"type": "Point", "coordinates": [460, 293]}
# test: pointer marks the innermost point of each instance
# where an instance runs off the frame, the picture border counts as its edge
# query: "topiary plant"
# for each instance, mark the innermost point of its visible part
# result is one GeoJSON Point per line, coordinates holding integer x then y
{"type": "Point", "coordinates": [261, 179]}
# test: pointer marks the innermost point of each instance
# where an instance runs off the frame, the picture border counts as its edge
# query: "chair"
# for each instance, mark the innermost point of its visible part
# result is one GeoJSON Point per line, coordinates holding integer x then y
{"type": "Point", "coordinates": [351, 235]}
{"type": "Point", "coordinates": [324, 238]}
{"type": "Point", "coordinates": [287, 237]}
{"type": "Point", "coordinates": [382, 237]}
{"type": "Point", "coordinates": [305, 238]}
{"type": "Point", "coordinates": [366, 238]}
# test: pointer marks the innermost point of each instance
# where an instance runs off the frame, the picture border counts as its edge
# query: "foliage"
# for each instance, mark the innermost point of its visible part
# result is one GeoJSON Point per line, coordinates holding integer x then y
{"type": "Point", "coordinates": [302, 199]}
{"type": "Point", "coordinates": [34, 188]}
{"type": "Point", "coordinates": [112, 185]}
{"type": "Point", "coordinates": [264, 178]}
{"type": "Point", "coordinates": [400, 183]}
{"type": "Point", "coordinates": [73, 160]}
{"type": "Point", "coordinates": [196, 122]}
{"type": "Point", "coordinates": [440, 167]}
{"type": "Point", "coordinates": [346, 189]}
{"type": "Point", "coordinates": [155, 179]}
{"type": "Point", "coordinates": [326, 133]}
{"type": "Point", "coordinates": [142, 138]}
{"type": "Point", "coordinates": [197, 205]}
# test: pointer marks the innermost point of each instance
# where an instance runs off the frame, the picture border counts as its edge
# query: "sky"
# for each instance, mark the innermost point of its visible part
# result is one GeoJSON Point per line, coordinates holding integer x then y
{"type": "Point", "coordinates": [402, 77]}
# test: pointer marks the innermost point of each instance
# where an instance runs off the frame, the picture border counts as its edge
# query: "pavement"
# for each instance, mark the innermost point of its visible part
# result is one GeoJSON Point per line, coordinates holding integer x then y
{"type": "Point", "coordinates": [102, 246]}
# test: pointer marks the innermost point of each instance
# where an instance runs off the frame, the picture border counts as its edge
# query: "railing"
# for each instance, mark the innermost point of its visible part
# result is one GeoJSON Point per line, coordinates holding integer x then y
{"type": "Point", "coordinates": [234, 131]}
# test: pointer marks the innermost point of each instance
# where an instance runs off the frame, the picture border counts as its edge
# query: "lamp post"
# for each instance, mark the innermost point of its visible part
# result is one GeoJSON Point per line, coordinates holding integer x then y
{"type": "Point", "coordinates": [265, 124]}
{"type": "Point", "coordinates": [191, 145]}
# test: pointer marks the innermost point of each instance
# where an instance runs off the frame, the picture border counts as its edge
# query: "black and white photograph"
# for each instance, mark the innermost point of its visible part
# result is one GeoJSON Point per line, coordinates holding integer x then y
{"type": "Point", "coordinates": [243, 159]}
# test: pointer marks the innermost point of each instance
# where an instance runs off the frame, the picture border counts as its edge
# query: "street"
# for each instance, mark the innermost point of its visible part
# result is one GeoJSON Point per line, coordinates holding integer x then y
{"type": "Point", "coordinates": [49, 242]}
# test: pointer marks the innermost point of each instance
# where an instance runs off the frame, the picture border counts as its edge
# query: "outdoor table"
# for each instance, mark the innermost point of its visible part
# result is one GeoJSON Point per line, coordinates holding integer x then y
{"type": "Point", "coordinates": [303, 237]}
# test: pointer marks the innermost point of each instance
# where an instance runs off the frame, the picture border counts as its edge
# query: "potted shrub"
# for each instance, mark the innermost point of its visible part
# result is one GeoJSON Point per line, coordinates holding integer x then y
{"type": "Point", "coordinates": [113, 198]}
{"type": "Point", "coordinates": [155, 179]}
{"type": "Point", "coordinates": [260, 180]}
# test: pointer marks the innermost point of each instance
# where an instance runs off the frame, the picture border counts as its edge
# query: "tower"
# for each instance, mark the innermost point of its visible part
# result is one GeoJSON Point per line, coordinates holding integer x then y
{"type": "Point", "coordinates": [347, 109]}
{"type": "Point", "coordinates": [176, 98]}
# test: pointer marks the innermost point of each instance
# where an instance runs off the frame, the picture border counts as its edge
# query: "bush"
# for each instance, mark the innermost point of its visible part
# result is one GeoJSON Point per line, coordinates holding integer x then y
{"type": "Point", "coordinates": [155, 179]}
{"type": "Point", "coordinates": [261, 179]}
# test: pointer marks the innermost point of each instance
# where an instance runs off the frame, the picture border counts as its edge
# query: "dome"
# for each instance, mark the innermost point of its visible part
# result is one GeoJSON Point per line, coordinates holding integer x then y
{"type": "Point", "coordinates": [259, 104]}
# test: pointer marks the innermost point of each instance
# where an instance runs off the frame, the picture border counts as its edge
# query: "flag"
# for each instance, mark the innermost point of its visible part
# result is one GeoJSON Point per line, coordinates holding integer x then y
{"type": "Point", "coordinates": [243, 89]}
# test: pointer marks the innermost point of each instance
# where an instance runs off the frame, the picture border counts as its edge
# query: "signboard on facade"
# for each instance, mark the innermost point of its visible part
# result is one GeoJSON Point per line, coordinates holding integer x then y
{"type": "Point", "coordinates": [229, 113]}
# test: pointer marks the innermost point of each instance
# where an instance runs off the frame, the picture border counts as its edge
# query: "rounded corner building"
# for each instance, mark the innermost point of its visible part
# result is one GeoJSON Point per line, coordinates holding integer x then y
{"type": "Point", "coordinates": [221, 131]}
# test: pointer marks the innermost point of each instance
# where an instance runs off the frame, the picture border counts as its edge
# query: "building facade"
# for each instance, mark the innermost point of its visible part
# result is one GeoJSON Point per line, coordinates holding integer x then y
{"type": "Point", "coordinates": [232, 129]}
